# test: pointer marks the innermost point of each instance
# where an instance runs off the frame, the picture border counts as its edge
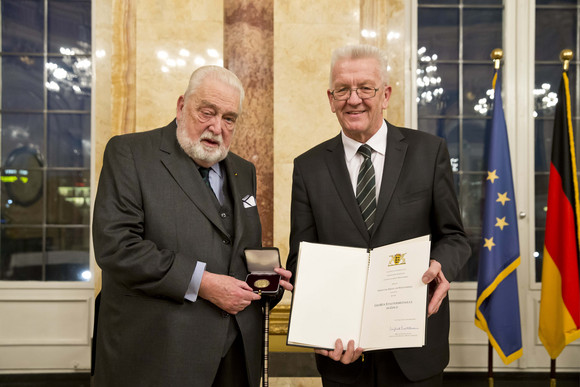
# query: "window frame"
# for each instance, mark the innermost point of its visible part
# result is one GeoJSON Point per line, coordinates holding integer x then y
{"type": "Point", "coordinates": [87, 168]}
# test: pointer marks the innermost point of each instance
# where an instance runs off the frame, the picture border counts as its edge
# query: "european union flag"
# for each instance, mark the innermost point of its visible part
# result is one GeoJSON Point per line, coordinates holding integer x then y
{"type": "Point", "coordinates": [497, 309]}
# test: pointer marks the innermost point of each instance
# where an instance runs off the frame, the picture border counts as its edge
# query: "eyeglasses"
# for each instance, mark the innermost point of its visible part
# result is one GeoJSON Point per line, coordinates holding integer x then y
{"type": "Point", "coordinates": [362, 92]}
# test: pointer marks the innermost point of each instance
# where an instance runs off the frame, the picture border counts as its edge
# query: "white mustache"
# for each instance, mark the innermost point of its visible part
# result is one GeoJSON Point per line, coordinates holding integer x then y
{"type": "Point", "coordinates": [210, 136]}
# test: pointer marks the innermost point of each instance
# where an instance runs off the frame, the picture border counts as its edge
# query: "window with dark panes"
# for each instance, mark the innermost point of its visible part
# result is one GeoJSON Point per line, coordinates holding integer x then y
{"type": "Point", "coordinates": [45, 140]}
{"type": "Point", "coordinates": [556, 29]}
{"type": "Point", "coordinates": [454, 77]}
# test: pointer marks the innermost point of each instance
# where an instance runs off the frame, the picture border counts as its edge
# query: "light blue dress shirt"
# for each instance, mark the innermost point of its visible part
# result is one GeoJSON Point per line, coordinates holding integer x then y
{"type": "Point", "coordinates": [216, 180]}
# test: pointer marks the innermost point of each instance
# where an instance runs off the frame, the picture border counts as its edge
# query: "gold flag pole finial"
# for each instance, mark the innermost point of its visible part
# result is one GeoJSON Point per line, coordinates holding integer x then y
{"type": "Point", "coordinates": [496, 55]}
{"type": "Point", "coordinates": [566, 56]}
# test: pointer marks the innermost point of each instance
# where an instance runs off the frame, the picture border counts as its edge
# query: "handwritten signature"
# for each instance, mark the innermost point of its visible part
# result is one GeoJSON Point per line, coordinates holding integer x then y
{"type": "Point", "coordinates": [403, 328]}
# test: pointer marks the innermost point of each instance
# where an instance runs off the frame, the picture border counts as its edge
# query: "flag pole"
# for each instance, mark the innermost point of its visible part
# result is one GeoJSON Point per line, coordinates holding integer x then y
{"type": "Point", "coordinates": [496, 55]}
{"type": "Point", "coordinates": [489, 364]}
{"type": "Point", "coordinates": [566, 56]}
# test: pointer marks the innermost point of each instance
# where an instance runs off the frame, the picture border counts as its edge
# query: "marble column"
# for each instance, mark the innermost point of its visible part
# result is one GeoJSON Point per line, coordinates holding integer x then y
{"type": "Point", "coordinates": [249, 53]}
{"type": "Point", "coordinates": [123, 72]}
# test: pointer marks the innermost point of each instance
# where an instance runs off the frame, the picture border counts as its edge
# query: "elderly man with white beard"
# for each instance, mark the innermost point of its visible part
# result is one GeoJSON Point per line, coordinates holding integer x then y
{"type": "Point", "coordinates": [172, 218]}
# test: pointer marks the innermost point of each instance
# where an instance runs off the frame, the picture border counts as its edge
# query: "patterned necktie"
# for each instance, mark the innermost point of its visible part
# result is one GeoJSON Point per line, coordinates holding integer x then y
{"type": "Point", "coordinates": [365, 188]}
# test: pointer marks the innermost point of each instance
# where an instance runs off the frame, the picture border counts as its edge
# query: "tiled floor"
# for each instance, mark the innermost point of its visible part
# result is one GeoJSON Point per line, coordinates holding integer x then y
{"type": "Point", "coordinates": [288, 369]}
{"type": "Point", "coordinates": [450, 380]}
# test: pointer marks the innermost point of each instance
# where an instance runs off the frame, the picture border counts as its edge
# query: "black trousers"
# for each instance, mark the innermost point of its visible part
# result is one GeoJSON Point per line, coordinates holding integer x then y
{"type": "Point", "coordinates": [232, 370]}
{"type": "Point", "coordinates": [382, 370]}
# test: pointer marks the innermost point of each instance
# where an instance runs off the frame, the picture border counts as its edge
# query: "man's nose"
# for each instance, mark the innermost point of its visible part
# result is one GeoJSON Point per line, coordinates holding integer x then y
{"type": "Point", "coordinates": [353, 98]}
{"type": "Point", "coordinates": [216, 125]}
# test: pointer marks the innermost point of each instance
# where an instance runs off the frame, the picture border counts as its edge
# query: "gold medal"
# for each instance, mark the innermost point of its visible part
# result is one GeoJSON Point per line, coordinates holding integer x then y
{"type": "Point", "coordinates": [262, 283]}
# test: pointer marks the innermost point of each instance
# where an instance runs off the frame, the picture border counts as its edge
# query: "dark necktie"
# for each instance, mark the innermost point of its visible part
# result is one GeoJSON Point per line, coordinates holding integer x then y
{"type": "Point", "coordinates": [365, 188]}
{"type": "Point", "coordinates": [204, 172]}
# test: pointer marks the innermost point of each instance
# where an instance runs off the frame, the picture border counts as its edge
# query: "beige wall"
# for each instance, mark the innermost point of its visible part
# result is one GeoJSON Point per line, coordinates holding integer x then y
{"type": "Point", "coordinates": [133, 92]}
{"type": "Point", "coordinates": [135, 89]}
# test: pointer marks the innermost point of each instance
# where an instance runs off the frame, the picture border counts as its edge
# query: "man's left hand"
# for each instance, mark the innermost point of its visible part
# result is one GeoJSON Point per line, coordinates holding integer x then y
{"type": "Point", "coordinates": [438, 286]}
{"type": "Point", "coordinates": [350, 355]}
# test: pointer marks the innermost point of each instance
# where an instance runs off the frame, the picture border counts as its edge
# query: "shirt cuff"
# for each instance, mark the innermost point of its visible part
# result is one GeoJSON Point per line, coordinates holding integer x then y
{"type": "Point", "coordinates": [195, 283]}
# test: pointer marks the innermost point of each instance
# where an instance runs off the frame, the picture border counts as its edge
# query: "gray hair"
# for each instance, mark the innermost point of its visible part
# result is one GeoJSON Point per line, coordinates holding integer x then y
{"type": "Point", "coordinates": [360, 51]}
{"type": "Point", "coordinates": [217, 73]}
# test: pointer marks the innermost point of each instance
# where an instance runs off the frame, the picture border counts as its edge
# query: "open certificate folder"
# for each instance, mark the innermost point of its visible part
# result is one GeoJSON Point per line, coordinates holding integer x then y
{"type": "Point", "coordinates": [375, 298]}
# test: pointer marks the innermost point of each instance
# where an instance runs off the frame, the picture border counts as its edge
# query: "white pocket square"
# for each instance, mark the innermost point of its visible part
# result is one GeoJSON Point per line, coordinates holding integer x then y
{"type": "Point", "coordinates": [249, 201]}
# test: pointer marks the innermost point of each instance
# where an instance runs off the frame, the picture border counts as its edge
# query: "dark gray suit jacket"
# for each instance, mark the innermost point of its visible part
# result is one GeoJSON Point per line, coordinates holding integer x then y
{"type": "Point", "coordinates": [153, 220]}
{"type": "Point", "coordinates": [417, 197]}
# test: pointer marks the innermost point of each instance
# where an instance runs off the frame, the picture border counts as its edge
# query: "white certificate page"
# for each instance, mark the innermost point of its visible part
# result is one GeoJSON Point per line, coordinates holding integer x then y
{"type": "Point", "coordinates": [395, 308]}
{"type": "Point", "coordinates": [327, 301]}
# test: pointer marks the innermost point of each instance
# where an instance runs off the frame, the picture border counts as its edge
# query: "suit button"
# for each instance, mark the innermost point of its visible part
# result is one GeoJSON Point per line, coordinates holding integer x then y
{"type": "Point", "coordinates": [226, 242]}
{"type": "Point", "coordinates": [223, 215]}
{"type": "Point", "coordinates": [225, 314]}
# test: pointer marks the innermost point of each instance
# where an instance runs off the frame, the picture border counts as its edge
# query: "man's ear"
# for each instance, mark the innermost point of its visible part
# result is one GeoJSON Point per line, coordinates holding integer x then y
{"type": "Point", "coordinates": [387, 96]}
{"type": "Point", "coordinates": [179, 108]}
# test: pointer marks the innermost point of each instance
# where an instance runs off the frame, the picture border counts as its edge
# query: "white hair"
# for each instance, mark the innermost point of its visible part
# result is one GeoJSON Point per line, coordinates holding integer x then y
{"type": "Point", "coordinates": [218, 73]}
{"type": "Point", "coordinates": [360, 51]}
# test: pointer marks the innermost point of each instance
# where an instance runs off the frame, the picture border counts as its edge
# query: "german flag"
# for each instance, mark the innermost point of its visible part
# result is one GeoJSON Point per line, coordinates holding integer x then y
{"type": "Point", "coordinates": [560, 302]}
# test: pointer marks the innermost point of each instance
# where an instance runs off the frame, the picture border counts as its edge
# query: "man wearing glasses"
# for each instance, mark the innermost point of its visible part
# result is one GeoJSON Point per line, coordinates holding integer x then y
{"type": "Point", "coordinates": [372, 185]}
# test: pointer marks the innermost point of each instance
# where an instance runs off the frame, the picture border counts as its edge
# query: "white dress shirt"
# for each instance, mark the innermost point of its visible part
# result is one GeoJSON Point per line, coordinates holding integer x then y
{"type": "Point", "coordinates": [378, 143]}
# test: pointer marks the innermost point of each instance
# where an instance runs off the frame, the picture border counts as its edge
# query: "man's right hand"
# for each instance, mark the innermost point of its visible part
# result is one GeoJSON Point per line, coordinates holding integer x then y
{"type": "Point", "coordinates": [228, 293]}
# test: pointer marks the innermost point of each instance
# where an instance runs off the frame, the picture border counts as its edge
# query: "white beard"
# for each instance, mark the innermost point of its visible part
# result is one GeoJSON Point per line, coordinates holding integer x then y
{"type": "Point", "coordinates": [197, 151]}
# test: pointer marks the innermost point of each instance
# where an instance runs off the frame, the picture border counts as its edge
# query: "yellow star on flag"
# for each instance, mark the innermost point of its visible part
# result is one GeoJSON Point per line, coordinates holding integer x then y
{"type": "Point", "coordinates": [502, 198]}
{"type": "Point", "coordinates": [489, 243]}
{"type": "Point", "coordinates": [501, 223]}
{"type": "Point", "coordinates": [491, 175]}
